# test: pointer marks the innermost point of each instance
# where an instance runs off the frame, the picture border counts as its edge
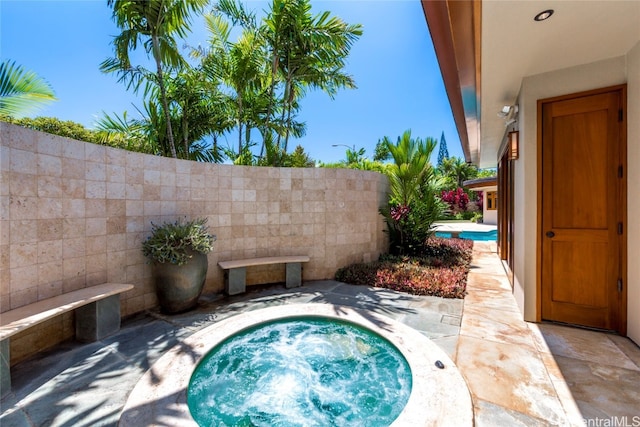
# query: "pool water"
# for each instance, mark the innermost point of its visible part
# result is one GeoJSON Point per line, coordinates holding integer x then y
{"type": "Point", "coordinates": [485, 236]}
{"type": "Point", "coordinates": [306, 371]}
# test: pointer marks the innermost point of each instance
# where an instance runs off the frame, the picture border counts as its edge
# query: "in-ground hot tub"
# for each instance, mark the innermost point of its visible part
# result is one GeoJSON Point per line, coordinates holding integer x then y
{"type": "Point", "coordinates": [437, 396]}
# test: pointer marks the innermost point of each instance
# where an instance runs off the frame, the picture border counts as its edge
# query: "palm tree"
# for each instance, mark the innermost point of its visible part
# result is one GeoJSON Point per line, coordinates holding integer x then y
{"type": "Point", "coordinates": [456, 170]}
{"type": "Point", "coordinates": [155, 24]}
{"type": "Point", "coordinates": [240, 67]}
{"type": "Point", "coordinates": [311, 52]}
{"type": "Point", "coordinates": [300, 51]}
{"type": "Point", "coordinates": [21, 91]}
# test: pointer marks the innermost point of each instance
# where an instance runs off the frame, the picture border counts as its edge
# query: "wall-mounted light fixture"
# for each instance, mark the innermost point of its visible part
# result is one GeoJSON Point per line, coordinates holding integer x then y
{"type": "Point", "coordinates": [514, 142]}
{"type": "Point", "coordinates": [509, 114]}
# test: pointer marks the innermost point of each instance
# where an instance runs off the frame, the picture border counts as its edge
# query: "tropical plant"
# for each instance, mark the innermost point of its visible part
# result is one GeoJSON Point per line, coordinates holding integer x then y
{"type": "Point", "coordinates": [413, 206]}
{"type": "Point", "coordinates": [155, 24]}
{"type": "Point", "coordinates": [456, 199]}
{"type": "Point", "coordinates": [238, 66]}
{"type": "Point", "coordinates": [381, 152]}
{"type": "Point", "coordinates": [272, 65]}
{"type": "Point", "coordinates": [171, 242]}
{"type": "Point", "coordinates": [22, 91]}
{"type": "Point", "coordinates": [455, 171]}
{"type": "Point", "coordinates": [440, 269]}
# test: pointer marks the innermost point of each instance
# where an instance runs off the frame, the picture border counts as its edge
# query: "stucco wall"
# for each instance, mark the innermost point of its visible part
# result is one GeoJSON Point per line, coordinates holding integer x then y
{"type": "Point", "coordinates": [488, 216]}
{"type": "Point", "coordinates": [633, 192]}
{"type": "Point", "coordinates": [566, 81]}
{"type": "Point", "coordinates": [74, 214]}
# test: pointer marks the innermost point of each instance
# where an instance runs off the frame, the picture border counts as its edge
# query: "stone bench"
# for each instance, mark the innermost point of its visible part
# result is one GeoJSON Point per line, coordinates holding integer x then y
{"type": "Point", "coordinates": [97, 314]}
{"type": "Point", "coordinates": [236, 278]}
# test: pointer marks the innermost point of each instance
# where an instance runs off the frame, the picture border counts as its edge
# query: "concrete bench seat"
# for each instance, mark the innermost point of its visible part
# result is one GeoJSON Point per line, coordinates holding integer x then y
{"type": "Point", "coordinates": [97, 314]}
{"type": "Point", "coordinates": [236, 279]}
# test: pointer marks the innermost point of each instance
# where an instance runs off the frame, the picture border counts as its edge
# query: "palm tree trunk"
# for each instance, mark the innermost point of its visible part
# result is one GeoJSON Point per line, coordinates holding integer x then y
{"type": "Point", "coordinates": [288, 127]}
{"type": "Point", "coordinates": [163, 95]}
{"type": "Point", "coordinates": [285, 97]}
{"type": "Point", "coordinates": [185, 133]}
{"type": "Point", "coordinates": [272, 86]}
{"type": "Point", "coordinates": [239, 124]}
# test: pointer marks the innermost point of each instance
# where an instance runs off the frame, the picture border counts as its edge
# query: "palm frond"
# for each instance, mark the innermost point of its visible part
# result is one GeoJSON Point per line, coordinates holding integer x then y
{"type": "Point", "coordinates": [22, 91]}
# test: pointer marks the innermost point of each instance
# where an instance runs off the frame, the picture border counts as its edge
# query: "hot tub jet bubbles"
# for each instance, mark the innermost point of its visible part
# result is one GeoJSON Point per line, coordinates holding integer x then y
{"type": "Point", "coordinates": [301, 371]}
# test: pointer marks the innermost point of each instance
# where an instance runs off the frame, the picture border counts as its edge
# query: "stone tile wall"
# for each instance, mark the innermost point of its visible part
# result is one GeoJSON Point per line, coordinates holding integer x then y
{"type": "Point", "coordinates": [74, 214]}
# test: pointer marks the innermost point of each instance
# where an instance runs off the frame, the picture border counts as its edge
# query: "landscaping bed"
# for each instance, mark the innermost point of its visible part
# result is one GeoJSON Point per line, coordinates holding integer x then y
{"type": "Point", "coordinates": [439, 269]}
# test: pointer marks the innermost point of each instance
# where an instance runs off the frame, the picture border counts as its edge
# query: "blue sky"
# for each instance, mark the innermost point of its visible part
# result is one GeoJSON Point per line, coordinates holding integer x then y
{"type": "Point", "coordinates": [393, 64]}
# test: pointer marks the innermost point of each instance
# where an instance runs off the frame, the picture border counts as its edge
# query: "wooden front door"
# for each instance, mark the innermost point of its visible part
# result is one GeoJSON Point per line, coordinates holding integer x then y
{"type": "Point", "coordinates": [582, 212]}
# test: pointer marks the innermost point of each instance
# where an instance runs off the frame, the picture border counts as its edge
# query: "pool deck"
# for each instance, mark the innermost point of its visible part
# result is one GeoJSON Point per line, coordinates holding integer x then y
{"type": "Point", "coordinates": [461, 226]}
{"type": "Point", "coordinates": [518, 373]}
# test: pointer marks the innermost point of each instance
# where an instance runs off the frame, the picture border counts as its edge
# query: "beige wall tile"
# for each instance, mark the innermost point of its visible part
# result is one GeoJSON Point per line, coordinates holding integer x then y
{"type": "Point", "coordinates": [23, 255]}
{"type": "Point", "coordinates": [73, 188]}
{"type": "Point", "coordinates": [24, 296]}
{"type": "Point", "coordinates": [73, 227]}
{"type": "Point", "coordinates": [74, 208]}
{"type": "Point", "coordinates": [73, 168]}
{"type": "Point", "coordinates": [116, 190]}
{"type": "Point", "coordinates": [95, 171]}
{"type": "Point", "coordinates": [49, 251]}
{"type": "Point", "coordinates": [22, 161]}
{"type": "Point", "coordinates": [22, 207]}
{"type": "Point", "coordinates": [95, 227]}
{"type": "Point", "coordinates": [22, 231]}
{"type": "Point", "coordinates": [74, 248]}
{"type": "Point", "coordinates": [22, 278]}
{"type": "Point", "coordinates": [116, 173]}
{"type": "Point", "coordinates": [95, 189]}
{"type": "Point", "coordinates": [95, 153]}
{"type": "Point", "coordinates": [96, 244]}
{"type": "Point", "coordinates": [116, 225]}
{"type": "Point", "coordinates": [96, 208]}
{"type": "Point", "coordinates": [73, 149]}
{"type": "Point", "coordinates": [49, 165]}
{"type": "Point", "coordinates": [47, 145]}
{"type": "Point", "coordinates": [86, 219]}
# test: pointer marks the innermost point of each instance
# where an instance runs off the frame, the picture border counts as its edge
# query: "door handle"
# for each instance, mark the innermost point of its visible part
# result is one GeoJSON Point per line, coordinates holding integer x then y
{"type": "Point", "coordinates": [550, 234]}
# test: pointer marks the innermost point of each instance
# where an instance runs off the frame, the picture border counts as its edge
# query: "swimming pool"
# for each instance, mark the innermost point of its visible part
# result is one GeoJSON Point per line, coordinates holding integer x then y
{"type": "Point", "coordinates": [485, 236]}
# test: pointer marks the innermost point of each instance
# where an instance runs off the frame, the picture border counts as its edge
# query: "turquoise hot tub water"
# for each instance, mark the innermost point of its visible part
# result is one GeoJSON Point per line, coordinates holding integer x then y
{"type": "Point", "coordinates": [473, 235]}
{"type": "Point", "coordinates": [301, 371]}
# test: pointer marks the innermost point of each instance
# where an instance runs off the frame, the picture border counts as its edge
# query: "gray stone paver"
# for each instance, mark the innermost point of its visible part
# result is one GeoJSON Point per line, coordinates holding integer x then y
{"type": "Point", "coordinates": [87, 384]}
{"type": "Point", "coordinates": [78, 384]}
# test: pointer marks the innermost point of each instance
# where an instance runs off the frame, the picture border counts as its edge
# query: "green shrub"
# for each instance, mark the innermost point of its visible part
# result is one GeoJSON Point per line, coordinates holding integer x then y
{"type": "Point", "coordinates": [172, 241]}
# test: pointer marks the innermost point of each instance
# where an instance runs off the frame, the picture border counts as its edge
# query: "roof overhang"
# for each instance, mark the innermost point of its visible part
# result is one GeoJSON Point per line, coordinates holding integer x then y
{"type": "Point", "coordinates": [481, 184]}
{"type": "Point", "coordinates": [501, 39]}
{"type": "Point", "coordinates": [455, 30]}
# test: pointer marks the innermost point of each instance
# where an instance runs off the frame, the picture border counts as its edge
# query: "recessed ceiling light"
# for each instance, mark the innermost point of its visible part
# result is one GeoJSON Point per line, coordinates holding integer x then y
{"type": "Point", "coordinates": [545, 14]}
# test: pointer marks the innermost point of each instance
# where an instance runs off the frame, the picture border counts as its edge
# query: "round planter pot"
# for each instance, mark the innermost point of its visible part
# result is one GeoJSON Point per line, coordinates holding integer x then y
{"type": "Point", "coordinates": [179, 286]}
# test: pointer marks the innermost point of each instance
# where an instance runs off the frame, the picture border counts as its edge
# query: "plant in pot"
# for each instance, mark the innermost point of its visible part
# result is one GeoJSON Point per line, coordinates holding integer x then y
{"type": "Point", "coordinates": [178, 251]}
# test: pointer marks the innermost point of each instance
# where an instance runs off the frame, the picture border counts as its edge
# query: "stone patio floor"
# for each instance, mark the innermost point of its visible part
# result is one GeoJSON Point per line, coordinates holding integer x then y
{"type": "Point", "coordinates": [518, 373]}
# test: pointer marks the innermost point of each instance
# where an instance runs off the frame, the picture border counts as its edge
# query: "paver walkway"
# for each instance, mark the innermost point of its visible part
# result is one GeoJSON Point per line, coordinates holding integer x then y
{"type": "Point", "coordinates": [527, 374]}
{"type": "Point", "coordinates": [518, 373]}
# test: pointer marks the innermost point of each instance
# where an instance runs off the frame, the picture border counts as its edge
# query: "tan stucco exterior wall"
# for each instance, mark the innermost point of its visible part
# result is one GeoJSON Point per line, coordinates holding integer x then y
{"type": "Point", "coordinates": [599, 74]}
{"type": "Point", "coordinates": [633, 193]}
{"type": "Point", "coordinates": [489, 217]}
{"type": "Point", "coordinates": [74, 214]}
